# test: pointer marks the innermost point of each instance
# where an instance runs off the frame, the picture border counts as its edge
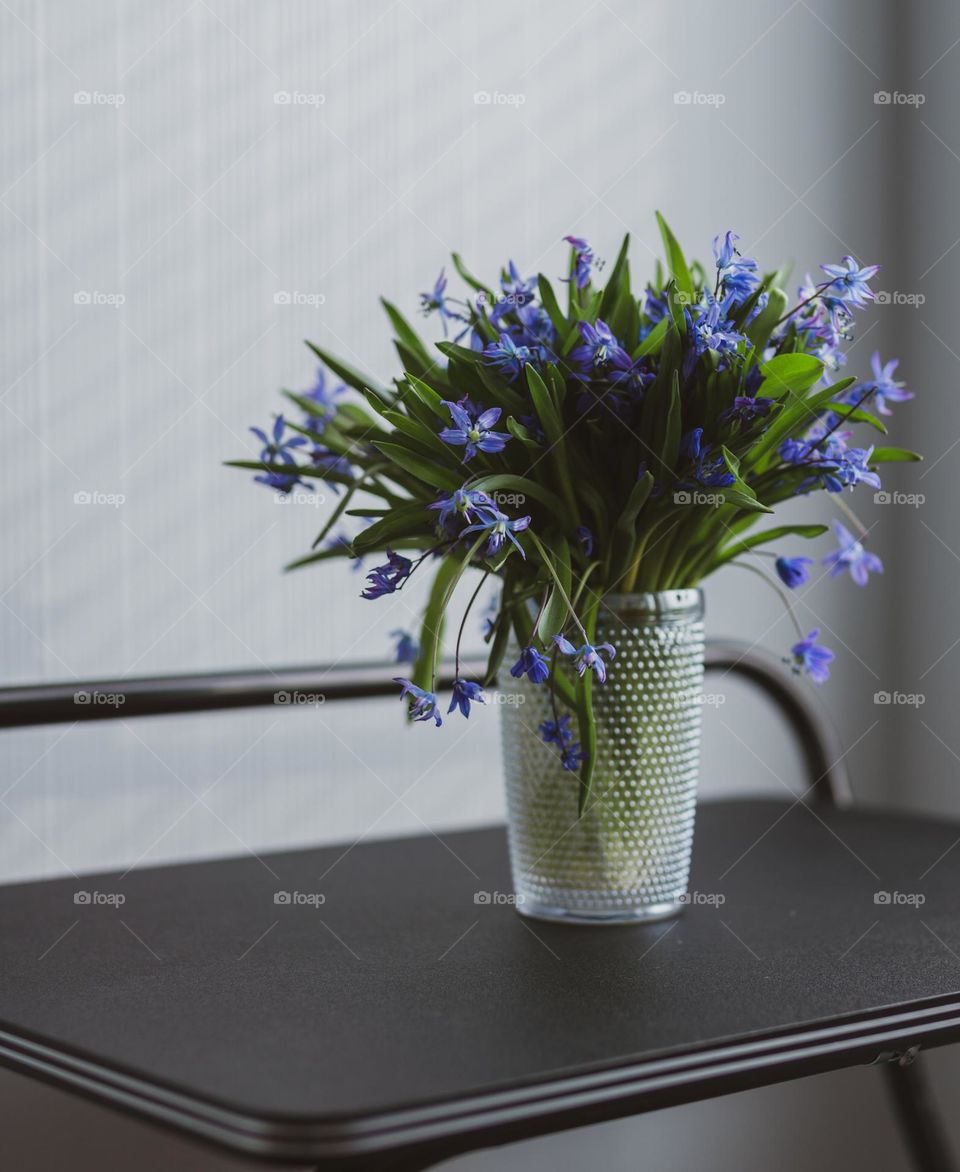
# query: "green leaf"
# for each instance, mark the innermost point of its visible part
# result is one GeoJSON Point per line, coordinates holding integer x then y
{"type": "Point", "coordinates": [789, 373]}
{"type": "Point", "coordinates": [766, 535]}
{"type": "Point", "coordinates": [654, 340]}
{"type": "Point", "coordinates": [470, 279]}
{"type": "Point", "coordinates": [407, 334]}
{"type": "Point", "coordinates": [552, 306]}
{"type": "Point", "coordinates": [544, 406]}
{"type": "Point", "coordinates": [431, 475]}
{"type": "Point", "coordinates": [521, 486]}
{"type": "Point", "coordinates": [449, 573]}
{"type": "Point", "coordinates": [670, 448]}
{"type": "Point", "coordinates": [520, 432]}
{"type": "Point", "coordinates": [760, 329]}
{"type": "Point", "coordinates": [617, 286]}
{"type": "Point", "coordinates": [675, 258]}
{"type": "Point", "coordinates": [894, 456]}
{"type": "Point", "coordinates": [625, 530]}
{"type": "Point", "coordinates": [404, 521]}
{"type": "Point", "coordinates": [553, 618]}
{"type": "Point", "coordinates": [353, 378]}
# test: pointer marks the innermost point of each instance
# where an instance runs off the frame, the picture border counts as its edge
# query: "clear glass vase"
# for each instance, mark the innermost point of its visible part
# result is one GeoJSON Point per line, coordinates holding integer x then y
{"type": "Point", "coordinates": [628, 857]}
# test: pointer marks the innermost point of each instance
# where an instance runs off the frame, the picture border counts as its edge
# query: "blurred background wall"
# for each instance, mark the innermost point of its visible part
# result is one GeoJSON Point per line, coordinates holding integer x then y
{"type": "Point", "coordinates": [191, 189]}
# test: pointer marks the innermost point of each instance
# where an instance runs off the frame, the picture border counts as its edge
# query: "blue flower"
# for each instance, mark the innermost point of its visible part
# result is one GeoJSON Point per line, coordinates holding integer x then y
{"type": "Point", "coordinates": [807, 656]}
{"type": "Point", "coordinates": [465, 693]}
{"type": "Point", "coordinates": [389, 577]}
{"type": "Point", "coordinates": [656, 305]}
{"type": "Point", "coordinates": [711, 330]}
{"type": "Point", "coordinates": [406, 649]}
{"type": "Point", "coordinates": [571, 756]}
{"type": "Point", "coordinates": [588, 656]}
{"type": "Point", "coordinates": [599, 348]}
{"type": "Point", "coordinates": [436, 302]}
{"type": "Point", "coordinates": [885, 389]}
{"type": "Point", "coordinates": [585, 537]}
{"type": "Point", "coordinates": [323, 398]}
{"type": "Point", "coordinates": [461, 504]}
{"type": "Point", "coordinates": [847, 468]}
{"type": "Point", "coordinates": [710, 466]}
{"type": "Point", "coordinates": [582, 262]}
{"type": "Point", "coordinates": [738, 274]}
{"type": "Point", "coordinates": [517, 290]}
{"type": "Point", "coordinates": [472, 430]}
{"type": "Point", "coordinates": [793, 572]}
{"type": "Point", "coordinates": [852, 556]}
{"type": "Point", "coordinates": [500, 528]}
{"type": "Point", "coordinates": [423, 705]}
{"type": "Point", "coordinates": [745, 409]}
{"type": "Point", "coordinates": [507, 357]}
{"type": "Point", "coordinates": [849, 281]}
{"type": "Point", "coordinates": [531, 664]}
{"type": "Point", "coordinates": [557, 732]}
{"type": "Point", "coordinates": [277, 450]}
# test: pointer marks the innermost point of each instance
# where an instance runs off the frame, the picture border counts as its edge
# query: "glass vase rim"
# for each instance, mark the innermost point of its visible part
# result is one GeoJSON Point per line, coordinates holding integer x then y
{"type": "Point", "coordinates": [656, 605]}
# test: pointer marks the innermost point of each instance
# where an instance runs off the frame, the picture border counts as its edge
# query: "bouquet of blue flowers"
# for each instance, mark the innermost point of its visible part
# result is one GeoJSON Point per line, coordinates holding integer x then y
{"type": "Point", "coordinates": [579, 440]}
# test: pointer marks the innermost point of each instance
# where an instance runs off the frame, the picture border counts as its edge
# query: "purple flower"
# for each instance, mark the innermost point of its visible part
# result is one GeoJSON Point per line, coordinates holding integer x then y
{"type": "Point", "coordinates": [423, 704]}
{"type": "Point", "coordinates": [436, 302]}
{"type": "Point", "coordinates": [852, 556]}
{"type": "Point", "coordinates": [885, 389]}
{"type": "Point", "coordinates": [849, 281]}
{"type": "Point", "coordinates": [277, 450]}
{"type": "Point", "coordinates": [507, 357]}
{"type": "Point", "coordinates": [517, 290]}
{"type": "Point", "coordinates": [738, 274]}
{"type": "Point", "coordinates": [745, 409]}
{"type": "Point", "coordinates": [585, 537]}
{"type": "Point", "coordinates": [389, 577]}
{"type": "Point", "coordinates": [588, 656]}
{"type": "Point", "coordinates": [323, 398]}
{"type": "Point", "coordinates": [807, 656]}
{"type": "Point", "coordinates": [465, 693]}
{"type": "Point", "coordinates": [711, 330]}
{"type": "Point", "coordinates": [599, 348]}
{"type": "Point", "coordinates": [556, 732]}
{"type": "Point", "coordinates": [500, 528]}
{"type": "Point", "coordinates": [472, 430]}
{"type": "Point", "coordinates": [531, 664]}
{"type": "Point", "coordinates": [582, 261]}
{"type": "Point", "coordinates": [793, 572]}
{"type": "Point", "coordinates": [461, 504]}
{"type": "Point", "coordinates": [559, 733]}
{"type": "Point", "coordinates": [406, 647]}
{"type": "Point", "coordinates": [849, 468]}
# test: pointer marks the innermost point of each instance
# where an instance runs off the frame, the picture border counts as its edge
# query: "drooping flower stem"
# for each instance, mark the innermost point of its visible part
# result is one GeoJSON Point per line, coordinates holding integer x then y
{"type": "Point", "coordinates": [545, 558]}
{"type": "Point", "coordinates": [788, 605]}
{"type": "Point", "coordinates": [463, 621]}
{"type": "Point", "coordinates": [821, 289]}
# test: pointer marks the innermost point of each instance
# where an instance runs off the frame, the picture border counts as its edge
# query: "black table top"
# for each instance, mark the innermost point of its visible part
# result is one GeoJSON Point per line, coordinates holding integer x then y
{"type": "Point", "coordinates": [399, 1012]}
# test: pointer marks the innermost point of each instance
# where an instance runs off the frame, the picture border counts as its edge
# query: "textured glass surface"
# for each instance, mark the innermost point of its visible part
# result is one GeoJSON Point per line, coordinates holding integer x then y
{"type": "Point", "coordinates": [628, 857]}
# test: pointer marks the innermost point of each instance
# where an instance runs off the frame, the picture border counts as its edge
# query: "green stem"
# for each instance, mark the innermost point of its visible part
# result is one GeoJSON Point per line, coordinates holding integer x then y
{"type": "Point", "coordinates": [545, 558]}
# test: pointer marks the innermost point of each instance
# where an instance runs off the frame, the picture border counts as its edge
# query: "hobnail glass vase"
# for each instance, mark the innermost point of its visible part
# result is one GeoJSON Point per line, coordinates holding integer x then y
{"type": "Point", "coordinates": [627, 858]}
